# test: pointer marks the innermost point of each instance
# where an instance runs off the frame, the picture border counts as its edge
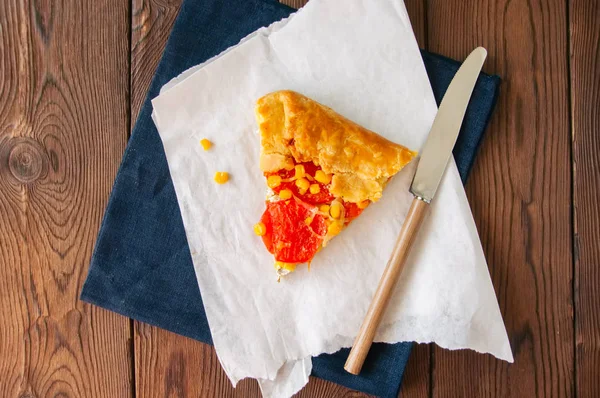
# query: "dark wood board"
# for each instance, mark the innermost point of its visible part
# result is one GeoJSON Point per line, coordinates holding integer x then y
{"type": "Point", "coordinates": [520, 194]}
{"type": "Point", "coordinates": [64, 72]}
{"type": "Point", "coordinates": [73, 76]}
{"type": "Point", "coordinates": [584, 23]}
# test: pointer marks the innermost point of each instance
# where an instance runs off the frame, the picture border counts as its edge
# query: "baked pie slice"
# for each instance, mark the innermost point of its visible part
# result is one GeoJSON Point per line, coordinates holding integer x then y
{"type": "Point", "coordinates": [322, 171]}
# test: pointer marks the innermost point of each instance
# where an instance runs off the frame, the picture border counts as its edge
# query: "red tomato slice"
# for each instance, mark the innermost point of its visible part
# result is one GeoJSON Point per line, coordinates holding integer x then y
{"type": "Point", "coordinates": [287, 236]}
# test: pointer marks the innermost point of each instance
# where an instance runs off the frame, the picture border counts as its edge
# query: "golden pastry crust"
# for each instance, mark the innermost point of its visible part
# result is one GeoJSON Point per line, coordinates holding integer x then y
{"type": "Point", "coordinates": [294, 127]}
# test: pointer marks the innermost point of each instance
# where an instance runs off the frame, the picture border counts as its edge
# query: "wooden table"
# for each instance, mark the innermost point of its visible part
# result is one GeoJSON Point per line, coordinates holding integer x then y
{"type": "Point", "coordinates": [73, 75]}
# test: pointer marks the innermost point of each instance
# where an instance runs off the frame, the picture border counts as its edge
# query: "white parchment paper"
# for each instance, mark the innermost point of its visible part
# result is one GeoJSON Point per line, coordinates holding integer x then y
{"type": "Point", "coordinates": [361, 59]}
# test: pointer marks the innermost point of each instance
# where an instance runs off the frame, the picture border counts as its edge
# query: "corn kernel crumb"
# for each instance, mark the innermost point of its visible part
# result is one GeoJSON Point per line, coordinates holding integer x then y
{"type": "Point", "coordinates": [285, 194]}
{"type": "Point", "coordinates": [334, 228]}
{"type": "Point", "coordinates": [287, 266]}
{"type": "Point", "coordinates": [299, 172]}
{"type": "Point", "coordinates": [322, 177]}
{"type": "Point", "coordinates": [206, 144]}
{"type": "Point", "coordinates": [274, 181]}
{"type": "Point", "coordinates": [221, 177]}
{"type": "Point", "coordinates": [260, 229]}
{"type": "Point", "coordinates": [302, 184]}
{"type": "Point", "coordinates": [335, 210]}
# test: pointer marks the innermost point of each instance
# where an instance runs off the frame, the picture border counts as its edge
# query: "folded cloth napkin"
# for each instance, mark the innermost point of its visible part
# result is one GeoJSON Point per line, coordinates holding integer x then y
{"type": "Point", "coordinates": [142, 267]}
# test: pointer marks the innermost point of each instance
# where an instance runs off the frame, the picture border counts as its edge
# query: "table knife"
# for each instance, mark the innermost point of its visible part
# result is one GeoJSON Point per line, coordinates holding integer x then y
{"type": "Point", "coordinates": [434, 158]}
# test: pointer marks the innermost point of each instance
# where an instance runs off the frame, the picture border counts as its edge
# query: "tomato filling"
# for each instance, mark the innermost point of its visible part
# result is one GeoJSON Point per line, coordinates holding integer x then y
{"type": "Point", "coordinates": [352, 211]}
{"type": "Point", "coordinates": [294, 230]}
{"type": "Point", "coordinates": [288, 236]}
{"type": "Point", "coordinates": [314, 199]}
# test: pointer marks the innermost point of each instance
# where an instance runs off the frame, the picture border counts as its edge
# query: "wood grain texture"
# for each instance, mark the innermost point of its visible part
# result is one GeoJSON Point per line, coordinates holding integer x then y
{"type": "Point", "coordinates": [294, 3]}
{"type": "Point", "coordinates": [168, 365]}
{"type": "Point", "coordinates": [585, 110]}
{"type": "Point", "coordinates": [165, 364]}
{"type": "Point", "coordinates": [520, 195]}
{"type": "Point", "coordinates": [152, 21]}
{"type": "Point", "coordinates": [417, 375]}
{"type": "Point", "coordinates": [64, 116]}
{"type": "Point", "coordinates": [63, 128]}
{"type": "Point", "coordinates": [417, 12]}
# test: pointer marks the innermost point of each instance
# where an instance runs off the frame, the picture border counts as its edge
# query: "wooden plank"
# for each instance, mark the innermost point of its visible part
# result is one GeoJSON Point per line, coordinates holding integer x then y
{"type": "Point", "coordinates": [168, 365]}
{"type": "Point", "coordinates": [294, 3]}
{"type": "Point", "coordinates": [520, 192]}
{"type": "Point", "coordinates": [417, 11]}
{"type": "Point", "coordinates": [585, 110]}
{"type": "Point", "coordinates": [165, 362]}
{"type": "Point", "coordinates": [152, 21]}
{"type": "Point", "coordinates": [417, 376]}
{"type": "Point", "coordinates": [63, 128]}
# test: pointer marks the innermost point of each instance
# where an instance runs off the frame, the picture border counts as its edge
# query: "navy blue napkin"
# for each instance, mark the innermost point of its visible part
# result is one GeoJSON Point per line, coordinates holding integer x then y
{"type": "Point", "coordinates": [141, 266]}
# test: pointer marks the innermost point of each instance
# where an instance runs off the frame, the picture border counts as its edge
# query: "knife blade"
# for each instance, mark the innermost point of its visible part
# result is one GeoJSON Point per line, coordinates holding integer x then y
{"type": "Point", "coordinates": [434, 158]}
{"type": "Point", "coordinates": [445, 128]}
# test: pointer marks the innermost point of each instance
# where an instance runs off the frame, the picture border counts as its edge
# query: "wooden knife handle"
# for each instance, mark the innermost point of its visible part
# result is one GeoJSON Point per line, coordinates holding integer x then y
{"type": "Point", "coordinates": [384, 291]}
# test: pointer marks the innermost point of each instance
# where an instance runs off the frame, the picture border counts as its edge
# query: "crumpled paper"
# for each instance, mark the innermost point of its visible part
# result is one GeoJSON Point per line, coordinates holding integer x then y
{"type": "Point", "coordinates": [361, 59]}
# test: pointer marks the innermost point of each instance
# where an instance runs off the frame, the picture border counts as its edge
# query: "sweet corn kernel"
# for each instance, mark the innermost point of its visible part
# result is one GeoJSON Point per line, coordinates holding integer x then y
{"type": "Point", "coordinates": [221, 177]}
{"type": "Point", "coordinates": [303, 183]}
{"type": "Point", "coordinates": [324, 209]}
{"type": "Point", "coordinates": [334, 228]}
{"type": "Point", "coordinates": [363, 204]}
{"type": "Point", "coordinates": [288, 266]}
{"type": "Point", "coordinates": [260, 229]}
{"type": "Point", "coordinates": [335, 210]}
{"type": "Point", "coordinates": [289, 165]}
{"type": "Point", "coordinates": [285, 194]}
{"type": "Point", "coordinates": [273, 181]}
{"type": "Point", "coordinates": [308, 220]}
{"type": "Point", "coordinates": [315, 188]}
{"type": "Point", "coordinates": [300, 172]}
{"type": "Point", "coordinates": [206, 144]}
{"type": "Point", "coordinates": [302, 191]}
{"type": "Point", "coordinates": [309, 178]}
{"type": "Point", "coordinates": [322, 177]}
